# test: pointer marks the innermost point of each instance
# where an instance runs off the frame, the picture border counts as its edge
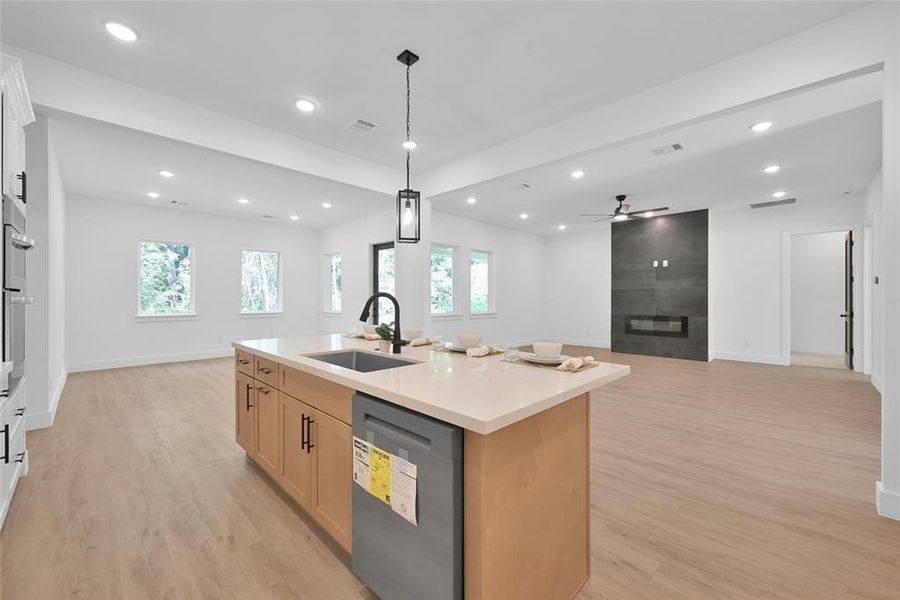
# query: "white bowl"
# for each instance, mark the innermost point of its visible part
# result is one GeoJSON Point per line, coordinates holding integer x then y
{"type": "Point", "coordinates": [468, 340]}
{"type": "Point", "coordinates": [546, 349]}
{"type": "Point", "coordinates": [411, 334]}
{"type": "Point", "coordinates": [369, 328]}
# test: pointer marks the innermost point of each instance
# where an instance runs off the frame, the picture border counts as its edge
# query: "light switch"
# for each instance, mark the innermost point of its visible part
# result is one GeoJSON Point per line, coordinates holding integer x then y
{"type": "Point", "coordinates": [655, 263]}
{"type": "Point", "coordinates": [665, 263]}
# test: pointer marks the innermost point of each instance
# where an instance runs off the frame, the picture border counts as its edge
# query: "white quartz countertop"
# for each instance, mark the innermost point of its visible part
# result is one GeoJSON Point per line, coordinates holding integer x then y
{"type": "Point", "coordinates": [478, 394]}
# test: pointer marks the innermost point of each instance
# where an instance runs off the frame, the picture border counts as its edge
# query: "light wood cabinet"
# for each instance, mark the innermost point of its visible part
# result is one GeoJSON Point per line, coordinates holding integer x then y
{"type": "Point", "coordinates": [244, 421]}
{"type": "Point", "coordinates": [332, 476]}
{"type": "Point", "coordinates": [265, 445]}
{"type": "Point", "coordinates": [295, 472]}
{"type": "Point", "coordinates": [297, 427]}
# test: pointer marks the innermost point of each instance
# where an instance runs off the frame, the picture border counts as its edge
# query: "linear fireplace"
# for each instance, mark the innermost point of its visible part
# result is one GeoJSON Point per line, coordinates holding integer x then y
{"type": "Point", "coordinates": [656, 325]}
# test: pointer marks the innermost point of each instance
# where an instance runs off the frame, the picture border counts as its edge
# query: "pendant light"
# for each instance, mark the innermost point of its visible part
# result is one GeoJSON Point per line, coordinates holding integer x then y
{"type": "Point", "coordinates": [408, 200]}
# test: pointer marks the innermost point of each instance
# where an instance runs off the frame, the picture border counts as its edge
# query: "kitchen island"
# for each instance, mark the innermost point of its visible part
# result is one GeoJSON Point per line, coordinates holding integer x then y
{"type": "Point", "coordinates": [526, 498]}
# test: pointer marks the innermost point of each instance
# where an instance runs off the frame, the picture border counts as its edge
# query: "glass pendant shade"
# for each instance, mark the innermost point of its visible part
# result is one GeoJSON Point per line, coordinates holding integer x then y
{"type": "Point", "coordinates": [408, 217]}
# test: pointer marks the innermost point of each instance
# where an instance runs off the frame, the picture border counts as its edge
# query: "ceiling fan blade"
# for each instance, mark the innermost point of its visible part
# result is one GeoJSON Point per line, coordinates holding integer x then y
{"type": "Point", "coordinates": [601, 220]}
{"type": "Point", "coordinates": [600, 215]}
{"type": "Point", "coordinates": [658, 209]}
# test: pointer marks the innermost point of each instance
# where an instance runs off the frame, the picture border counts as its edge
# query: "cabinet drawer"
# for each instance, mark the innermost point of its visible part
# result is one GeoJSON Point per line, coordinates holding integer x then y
{"type": "Point", "coordinates": [331, 398]}
{"type": "Point", "coordinates": [265, 370]}
{"type": "Point", "coordinates": [243, 362]}
{"type": "Point", "coordinates": [14, 412]}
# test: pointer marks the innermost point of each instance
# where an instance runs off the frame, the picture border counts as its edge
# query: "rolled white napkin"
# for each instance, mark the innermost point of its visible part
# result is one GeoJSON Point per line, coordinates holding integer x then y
{"type": "Point", "coordinates": [576, 363]}
{"type": "Point", "coordinates": [480, 351]}
{"type": "Point", "coordinates": [420, 341]}
{"type": "Point", "coordinates": [372, 336]}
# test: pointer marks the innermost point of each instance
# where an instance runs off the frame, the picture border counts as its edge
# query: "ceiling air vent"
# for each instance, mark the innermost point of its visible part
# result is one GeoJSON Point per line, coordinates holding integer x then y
{"type": "Point", "coordinates": [267, 217]}
{"type": "Point", "coordinates": [774, 203]}
{"type": "Point", "coordinates": [666, 149]}
{"type": "Point", "coordinates": [361, 126]}
{"type": "Point", "coordinates": [522, 186]}
{"type": "Point", "coordinates": [178, 202]}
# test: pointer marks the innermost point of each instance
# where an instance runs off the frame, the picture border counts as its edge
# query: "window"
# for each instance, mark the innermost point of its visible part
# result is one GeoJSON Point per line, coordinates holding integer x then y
{"type": "Point", "coordinates": [383, 281]}
{"type": "Point", "coordinates": [260, 281]}
{"type": "Point", "coordinates": [441, 280]}
{"type": "Point", "coordinates": [480, 279]}
{"type": "Point", "coordinates": [335, 284]}
{"type": "Point", "coordinates": [166, 279]}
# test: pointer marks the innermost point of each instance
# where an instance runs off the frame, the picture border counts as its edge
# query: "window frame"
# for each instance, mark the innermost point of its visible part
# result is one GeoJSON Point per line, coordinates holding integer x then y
{"type": "Point", "coordinates": [193, 290]}
{"type": "Point", "coordinates": [327, 307]}
{"type": "Point", "coordinates": [455, 309]}
{"type": "Point", "coordinates": [491, 291]}
{"type": "Point", "coordinates": [376, 248]}
{"type": "Point", "coordinates": [263, 313]}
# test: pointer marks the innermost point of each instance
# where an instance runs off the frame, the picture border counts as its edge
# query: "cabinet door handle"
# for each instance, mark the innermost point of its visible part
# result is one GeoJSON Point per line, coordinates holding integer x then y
{"type": "Point", "coordinates": [23, 197]}
{"type": "Point", "coordinates": [249, 405]}
{"type": "Point", "coordinates": [309, 444]}
{"type": "Point", "coordinates": [302, 431]}
{"type": "Point", "coordinates": [263, 390]}
{"type": "Point", "coordinates": [265, 371]}
{"type": "Point", "coordinates": [243, 361]}
{"type": "Point", "coordinates": [6, 444]}
{"type": "Point", "coordinates": [21, 457]}
{"type": "Point", "coordinates": [20, 412]}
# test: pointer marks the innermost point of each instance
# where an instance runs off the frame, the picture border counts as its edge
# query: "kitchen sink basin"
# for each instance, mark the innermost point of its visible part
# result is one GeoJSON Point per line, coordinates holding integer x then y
{"type": "Point", "coordinates": [364, 362]}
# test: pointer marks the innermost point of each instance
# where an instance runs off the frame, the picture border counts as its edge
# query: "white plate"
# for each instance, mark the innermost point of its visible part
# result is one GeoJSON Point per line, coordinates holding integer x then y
{"type": "Point", "coordinates": [534, 358]}
{"type": "Point", "coordinates": [455, 348]}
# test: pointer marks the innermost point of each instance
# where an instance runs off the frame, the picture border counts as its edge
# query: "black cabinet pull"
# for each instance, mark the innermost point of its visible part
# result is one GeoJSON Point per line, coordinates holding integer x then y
{"type": "Point", "coordinates": [263, 390]}
{"type": "Point", "coordinates": [244, 362]}
{"type": "Point", "coordinates": [302, 431]}
{"type": "Point", "coordinates": [309, 444]}
{"type": "Point", "coordinates": [22, 196]}
{"type": "Point", "coordinates": [249, 406]}
{"type": "Point", "coordinates": [20, 412]}
{"type": "Point", "coordinates": [265, 371]}
{"type": "Point", "coordinates": [21, 457]}
{"type": "Point", "coordinates": [6, 444]}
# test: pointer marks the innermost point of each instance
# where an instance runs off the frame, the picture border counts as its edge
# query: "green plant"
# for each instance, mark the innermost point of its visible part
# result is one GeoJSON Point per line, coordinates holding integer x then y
{"type": "Point", "coordinates": [385, 330]}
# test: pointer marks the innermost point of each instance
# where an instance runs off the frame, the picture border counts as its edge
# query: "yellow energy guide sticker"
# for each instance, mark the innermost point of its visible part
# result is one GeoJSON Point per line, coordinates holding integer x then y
{"type": "Point", "coordinates": [380, 474]}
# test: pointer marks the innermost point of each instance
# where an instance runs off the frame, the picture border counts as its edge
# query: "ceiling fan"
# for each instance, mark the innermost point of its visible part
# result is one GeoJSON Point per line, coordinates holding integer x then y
{"type": "Point", "coordinates": [623, 212]}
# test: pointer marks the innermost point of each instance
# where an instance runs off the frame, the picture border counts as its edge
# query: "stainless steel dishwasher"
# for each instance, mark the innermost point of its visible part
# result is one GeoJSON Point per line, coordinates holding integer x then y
{"type": "Point", "coordinates": [396, 559]}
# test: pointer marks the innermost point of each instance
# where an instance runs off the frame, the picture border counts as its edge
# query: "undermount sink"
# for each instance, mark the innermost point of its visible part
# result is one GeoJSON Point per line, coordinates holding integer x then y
{"type": "Point", "coordinates": [364, 362]}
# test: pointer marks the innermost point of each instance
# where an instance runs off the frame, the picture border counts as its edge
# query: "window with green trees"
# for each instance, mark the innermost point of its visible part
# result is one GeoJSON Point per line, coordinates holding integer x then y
{"type": "Point", "coordinates": [335, 283]}
{"type": "Point", "coordinates": [441, 280]}
{"type": "Point", "coordinates": [166, 287]}
{"type": "Point", "coordinates": [480, 279]}
{"type": "Point", "coordinates": [260, 281]}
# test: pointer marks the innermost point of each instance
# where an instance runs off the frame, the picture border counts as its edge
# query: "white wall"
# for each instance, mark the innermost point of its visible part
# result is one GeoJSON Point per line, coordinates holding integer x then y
{"type": "Point", "coordinates": [817, 292]}
{"type": "Point", "coordinates": [102, 282]}
{"type": "Point", "coordinates": [518, 270]}
{"type": "Point", "coordinates": [518, 284]}
{"type": "Point", "coordinates": [45, 268]}
{"type": "Point", "coordinates": [577, 284]}
{"type": "Point", "coordinates": [747, 291]}
{"type": "Point", "coordinates": [871, 291]}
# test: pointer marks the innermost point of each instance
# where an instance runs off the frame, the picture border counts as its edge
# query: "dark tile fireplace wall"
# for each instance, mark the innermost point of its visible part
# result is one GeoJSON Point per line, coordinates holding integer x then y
{"type": "Point", "coordinates": [678, 290]}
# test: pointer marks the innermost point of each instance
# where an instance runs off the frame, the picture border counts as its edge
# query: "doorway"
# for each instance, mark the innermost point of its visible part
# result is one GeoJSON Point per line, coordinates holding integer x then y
{"type": "Point", "coordinates": [822, 314]}
{"type": "Point", "coordinates": [383, 280]}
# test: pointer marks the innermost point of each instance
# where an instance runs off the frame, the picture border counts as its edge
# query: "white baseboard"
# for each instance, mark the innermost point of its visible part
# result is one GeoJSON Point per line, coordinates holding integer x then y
{"type": "Point", "coordinates": [45, 419]}
{"type": "Point", "coordinates": [137, 361]}
{"type": "Point", "coordinates": [769, 359]}
{"type": "Point", "coordinates": [887, 503]}
{"type": "Point", "coordinates": [876, 383]}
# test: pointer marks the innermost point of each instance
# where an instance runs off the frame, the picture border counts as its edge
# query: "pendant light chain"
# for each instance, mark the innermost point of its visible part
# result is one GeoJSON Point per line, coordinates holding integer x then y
{"type": "Point", "coordinates": [408, 151]}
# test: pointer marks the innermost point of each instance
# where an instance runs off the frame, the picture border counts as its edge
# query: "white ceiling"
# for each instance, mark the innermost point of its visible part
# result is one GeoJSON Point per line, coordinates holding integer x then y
{"type": "Point", "coordinates": [826, 140]}
{"type": "Point", "coordinates": [489, 70]}
{"type": "Point", "coordinates": [105, 161]}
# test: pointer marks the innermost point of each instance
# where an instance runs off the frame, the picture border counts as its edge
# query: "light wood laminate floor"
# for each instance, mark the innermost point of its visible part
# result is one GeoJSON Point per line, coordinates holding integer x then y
{"type": "Point", "coordinates": [720, 480]}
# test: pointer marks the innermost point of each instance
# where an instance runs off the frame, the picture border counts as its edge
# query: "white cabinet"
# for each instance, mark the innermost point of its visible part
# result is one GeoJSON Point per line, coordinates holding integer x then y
{"type": "Point", "coordinates": [15, 115]}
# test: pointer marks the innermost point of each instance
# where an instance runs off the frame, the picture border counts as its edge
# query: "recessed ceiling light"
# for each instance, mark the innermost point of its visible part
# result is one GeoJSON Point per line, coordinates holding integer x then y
{"type": "Point", "coordinates": [326, 205]}
{"type": "Point", "coordinates": [472, 200]}
{"type": "Point", "coordinates": [779, 194]}
{"type": "Point", "coordinates": [153, 194]}
{"type": "Point", "coordinates": [166, 173]}
{"type": "Point", "coordinates": [294, 217]}
{"type": "Point", "coordinates": [772, 169]}
{"type": "Point", "coordinates": [243, 201]}
{"type": "Point", "coordinates": [409, 145]}
{"type": "Point", "coordinates": [523, 216]}
{"type": "Point", "coordinates": [761, 126]}
{"type": "Point", "coordinates": [121, 32]}
{"type": "Point", "coordinates": [577, 174]}
{"type": "Point", "coordinates": [561, 227]}
{"type": "Point", "coordinates": [305, 105]}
